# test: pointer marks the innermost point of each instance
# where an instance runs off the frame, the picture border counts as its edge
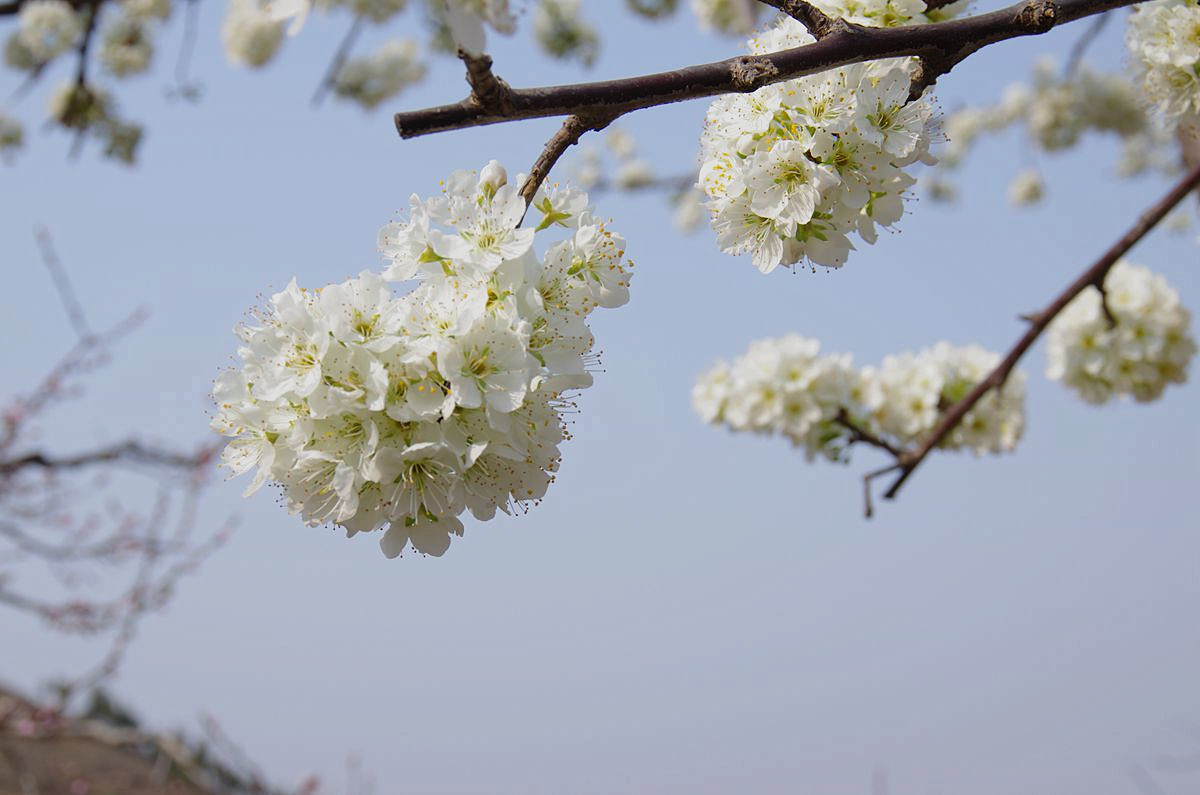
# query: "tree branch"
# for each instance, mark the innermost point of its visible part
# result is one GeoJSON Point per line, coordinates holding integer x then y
{"type": "Point", "coordinates": [860, 434]}
{"type": "Point", "coordinates": [1084, 41]}
{"type": "Point", "coordinates": [92, 8]}
{"type": "Point", "coordinates": [673, 184]}
{"type": "Point", "coordinates": [339, 60]}
{"type": "Point", "coordinates": [62, 283]}
{"type": "Point", "coordinates": [126, 451]}
{"type": "Point", "coordinates": [940, 45]}
{"type": "Point", "coordinates": [1092, 277]}
{"type": "Point", "coordinates": [567, 136]}
{"type": "Point", "coordinates": [488, 91]}
{"type": "Point", "coordinates": [816, 21]}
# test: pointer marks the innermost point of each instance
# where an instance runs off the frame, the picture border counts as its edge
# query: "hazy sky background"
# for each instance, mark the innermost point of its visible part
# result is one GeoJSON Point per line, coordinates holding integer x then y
{"type": "Point", "coordinates": [688, 610]}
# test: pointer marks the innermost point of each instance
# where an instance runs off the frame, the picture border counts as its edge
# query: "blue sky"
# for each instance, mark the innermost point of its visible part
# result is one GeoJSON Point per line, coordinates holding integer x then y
{"type": "Point", "coordinates": [688, 610]}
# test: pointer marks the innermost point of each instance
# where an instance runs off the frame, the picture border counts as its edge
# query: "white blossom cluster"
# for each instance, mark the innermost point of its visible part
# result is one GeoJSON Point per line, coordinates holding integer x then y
{"type": "Point", "coordinates": [741, 17]}
{"type": "Point", "coordinates": [124, 46]}
{"type": "Point", "coordinates": [907, 394]}
{"type": "Point", "coordinates": [821, 403]}
{"type": "Point", "coordinates": [372, 409]}
{"type": "Point", "coordinates": [1027, 188]}
{"type": "Point", "coordinates": [1145, 346]}
{"type": "Point", "coordinates": [889, 13]}
{"type": "Point", "coordinates": [731, 17]}
{"type": "Point", "coordinates": [87, 110]}
{"type": "Point", "coordinates": [45, 29]}
{"type": "Point", "coordinates": [1163, 38]}
{"type": "Point", "coordinates": [251, 33]}
{"type": "Point", "coordinates": [795, 168]}
{"type": "Point", "coordinates": [561, 31]}
{"type": "Point", "coordinates": [383, 74]}
{"type": "Point", "coordinates": [1056, 110]}
{"type": "Point", "coordinates": [127, 42]}
{"type": "Point", "coordinates": [377, 11]}
{"type": "Point", "coordinates": [630, 172]}
{"type": "Point", "coordinates": [466, 21]}
{"type": "Point", "coordinates": [12, 134]}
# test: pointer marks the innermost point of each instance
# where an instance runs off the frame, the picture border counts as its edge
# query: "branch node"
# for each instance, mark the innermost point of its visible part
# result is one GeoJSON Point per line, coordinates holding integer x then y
{"type": "Point", "coordinates": [749, 73]}
{"type": "Point", "coordinates": [488, 91]}
{"type": "Point", "coordinates": [818, 23]}
{"type": "Point", "coordinates": [931, 66]}
{"type": "Point", "coordinates": [1038, 16]}
{"type": "Point", "coordinates": [1093, 276]}
{"type": "Point", "coordinates": [868, 479]}
{"type": "Point", "coordinates": [942, 44]}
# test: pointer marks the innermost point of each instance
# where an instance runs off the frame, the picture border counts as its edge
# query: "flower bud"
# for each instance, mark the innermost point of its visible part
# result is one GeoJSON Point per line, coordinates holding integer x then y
{"type": "Point", "coordinates": [493, 175]}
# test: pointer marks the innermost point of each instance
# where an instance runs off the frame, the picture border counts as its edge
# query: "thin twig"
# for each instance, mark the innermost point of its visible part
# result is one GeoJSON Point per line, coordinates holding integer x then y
{"type": "Point", "coordinates": [487, 90]}
{"type": "Point", "coordinates": [868, 479]}
{"type": "Point", "coordinates": [940, 44]}
{"type": "Point", "coordinates": [816, 21]}
{"type": "Point", "coordinates": [567, 136]}
{"type": "Point", "coordinates": [674, 184]}
{"type": "Point", "coordinates": [187, 90]}
{"type": "Point", "coordinates": [339, 60]}
{"type": "Point", "coordinates": [85, 41]}
{"type": "Point", "coordinates": [1092, 276]}
{"type": "Point", "coordinates": [84, 354]}
{"type": "Point", "coordinates": [62, 282]}
{"type": "Point", "coordinates": [1081, 45]}
{"type": "Point", "coordinates": [131, 451]}
{"type": "Point", "coordinates": [860, 434]}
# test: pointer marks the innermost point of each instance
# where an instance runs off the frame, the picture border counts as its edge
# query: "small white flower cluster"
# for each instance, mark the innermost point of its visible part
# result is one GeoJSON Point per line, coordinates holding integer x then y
{"type": "Point", "coordinates": [88, 110]}
{"type": "Point", "coordinates": [250, 33]}
{"type": "Point", "coordinates": [730, 17]}
{"type": "Point", "coordinates": [1147, 347]}
{"type": "Point", "coordinates": [633, 173]}
{"type": "Point", "coordinates": [381, 75]}
{"type": "Point", "coordinates": [795, 168]}
{"type": "Point", "coordinates": [126, 46]}
{"type": "Point", "coordinates": [889, 13]}
{"type": "Point", "coordinates": [253, 31]}
{"type": "Point", "coordinates": [652, 9]}
{"type": "Point", "coordinates": [1056, 110]}
{"type": "Point", "coordinates": [146, 10]}
{"type": "Point", "coordinates": [560, 30]}
{"type": "Point", "coordinates": [373, 409]}
{"type": "Point", "coordinates": [821, 403]}
{"type": "Point", "coordinates": [45, 30]}
{"type": "Point", "coordinates": [908, 393]}
{"type": "Point", "coordinates": [12, 134]}
{"type": "Point", "coordinates": [1026, 188]}
{"type": "Point", "coordinates": [740, 17]}
{"type": "Point", "coordinates": [1163, 38]}
{"type": "Point", "coordinates": [465, 21]}
{"type": "Point", "coordinates": [377, 11]}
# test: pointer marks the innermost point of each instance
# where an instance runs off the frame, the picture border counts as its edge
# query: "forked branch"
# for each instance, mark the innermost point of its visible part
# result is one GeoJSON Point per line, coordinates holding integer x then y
{"type": "Point", "coordinates": [939, 45]}
{"type": "Point", "coordinates": [1093, 276]}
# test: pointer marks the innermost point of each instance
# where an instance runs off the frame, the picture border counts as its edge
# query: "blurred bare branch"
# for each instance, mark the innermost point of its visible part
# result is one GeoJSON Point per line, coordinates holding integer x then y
{"type": "Point", "coordinates": [72, 553]}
